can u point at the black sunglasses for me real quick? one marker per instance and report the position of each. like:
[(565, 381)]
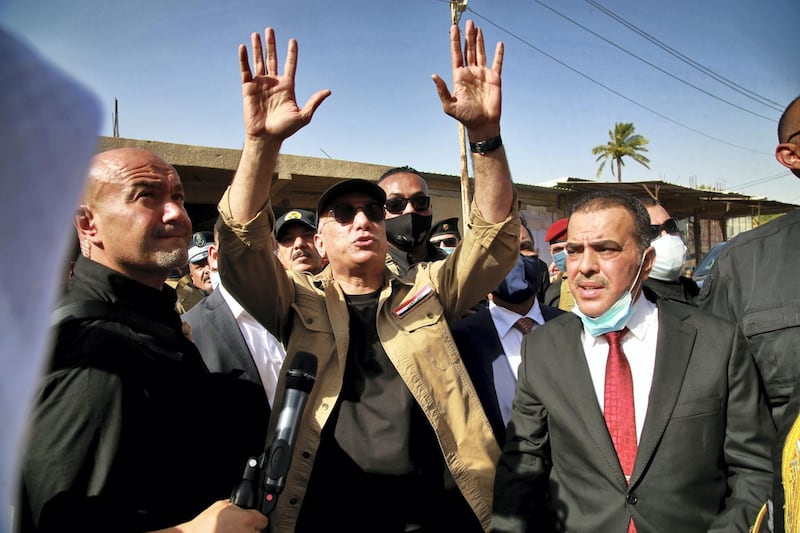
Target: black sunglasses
[(345, 213), (670, 226), (789, 138), (398, 204)]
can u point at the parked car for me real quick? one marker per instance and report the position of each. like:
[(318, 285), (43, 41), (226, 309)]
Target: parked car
[(703, 268)]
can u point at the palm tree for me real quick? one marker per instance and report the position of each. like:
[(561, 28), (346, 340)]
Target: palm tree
[(623, 143)]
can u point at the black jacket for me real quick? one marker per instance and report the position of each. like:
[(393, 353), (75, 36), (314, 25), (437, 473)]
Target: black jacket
[(130, 432)]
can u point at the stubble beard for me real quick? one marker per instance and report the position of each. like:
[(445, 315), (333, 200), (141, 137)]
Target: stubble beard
[(169, 260)]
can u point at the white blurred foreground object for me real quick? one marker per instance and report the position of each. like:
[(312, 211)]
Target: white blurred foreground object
[(48, 127)]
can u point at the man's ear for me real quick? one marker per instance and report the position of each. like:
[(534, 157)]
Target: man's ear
[(213, 256), (85, 223), (319, 244), (648, 262), (788, 155)]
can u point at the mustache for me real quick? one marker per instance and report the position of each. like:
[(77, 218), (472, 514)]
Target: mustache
[(596, 280), (300, 253)]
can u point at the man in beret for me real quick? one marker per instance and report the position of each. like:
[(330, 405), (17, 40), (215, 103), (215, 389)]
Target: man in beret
[(445, 235), (558, 294)]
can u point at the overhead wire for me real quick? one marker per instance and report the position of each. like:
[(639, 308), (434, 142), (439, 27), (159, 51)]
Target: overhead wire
[(663, 71), (766, 179), (689, 61), (610, 89)]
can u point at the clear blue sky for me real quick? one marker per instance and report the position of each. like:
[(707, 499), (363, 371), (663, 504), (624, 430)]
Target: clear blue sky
[(172, 64)]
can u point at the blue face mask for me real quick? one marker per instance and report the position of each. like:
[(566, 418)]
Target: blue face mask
[(447, 249), (521, 283), (560, 259), (615, 317)]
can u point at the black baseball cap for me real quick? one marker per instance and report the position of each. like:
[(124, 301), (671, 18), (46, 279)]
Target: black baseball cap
[(350, 186), (294, 216)]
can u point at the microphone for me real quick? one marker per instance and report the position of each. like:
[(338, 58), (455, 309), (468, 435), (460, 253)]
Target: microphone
[(275, 461)]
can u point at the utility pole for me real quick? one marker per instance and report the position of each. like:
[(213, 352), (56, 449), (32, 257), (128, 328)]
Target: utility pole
[(116, 117), (457, 7)]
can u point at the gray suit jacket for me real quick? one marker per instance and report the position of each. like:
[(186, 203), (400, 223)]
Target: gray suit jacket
[(219, 339), (703, 458)]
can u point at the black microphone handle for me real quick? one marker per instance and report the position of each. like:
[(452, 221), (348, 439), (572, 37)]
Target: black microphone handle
[(245, 494), (278, 458), (265, 478)]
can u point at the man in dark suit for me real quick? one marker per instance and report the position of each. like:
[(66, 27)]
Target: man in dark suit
[(631, 413), (228, 337), (231, 341), (490, 340)]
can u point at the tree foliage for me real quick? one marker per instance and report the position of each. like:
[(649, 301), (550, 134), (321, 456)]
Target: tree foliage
[(623, 142)]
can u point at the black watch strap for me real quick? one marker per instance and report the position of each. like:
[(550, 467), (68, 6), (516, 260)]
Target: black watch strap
[(484, 147)]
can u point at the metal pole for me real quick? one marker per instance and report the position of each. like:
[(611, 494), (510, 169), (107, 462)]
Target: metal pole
[(457, 7)]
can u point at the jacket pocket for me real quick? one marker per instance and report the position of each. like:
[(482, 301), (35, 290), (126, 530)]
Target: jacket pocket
[(773, 334), (769, 319), (309, 310), (699, 407), (425, 331), (426, 314)]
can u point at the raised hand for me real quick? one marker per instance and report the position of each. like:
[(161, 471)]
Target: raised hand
[(268, 99), (476, 98)]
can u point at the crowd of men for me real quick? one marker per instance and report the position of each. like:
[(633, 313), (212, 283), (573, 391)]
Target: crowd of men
[(631, 401)]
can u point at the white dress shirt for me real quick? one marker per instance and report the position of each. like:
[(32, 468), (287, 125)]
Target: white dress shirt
[(639, 346), (267, 351), (510, 337), (505, 369)]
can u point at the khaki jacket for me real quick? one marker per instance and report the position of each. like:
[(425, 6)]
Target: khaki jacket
[(309, 313)]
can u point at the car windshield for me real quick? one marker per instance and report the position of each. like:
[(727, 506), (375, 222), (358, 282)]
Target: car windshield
[(705, 264)]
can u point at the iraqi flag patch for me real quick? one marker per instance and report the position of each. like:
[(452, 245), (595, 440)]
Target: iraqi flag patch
[(402, 310)]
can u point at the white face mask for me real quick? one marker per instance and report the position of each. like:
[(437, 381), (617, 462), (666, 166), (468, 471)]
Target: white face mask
[(670, 255), (214, 279)]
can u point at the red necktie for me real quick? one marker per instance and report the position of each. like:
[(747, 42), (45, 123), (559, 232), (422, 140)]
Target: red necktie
[(618, 407), (524, 324)]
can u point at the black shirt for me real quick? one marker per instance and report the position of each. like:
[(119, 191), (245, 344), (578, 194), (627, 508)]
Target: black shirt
[(378, 465), (130, 432)]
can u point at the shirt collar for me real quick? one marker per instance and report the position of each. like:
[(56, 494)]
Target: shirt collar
[(236, 308), (504, 319), (645, 313)]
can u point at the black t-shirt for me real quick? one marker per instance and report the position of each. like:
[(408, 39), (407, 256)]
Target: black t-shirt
[(378, 466)]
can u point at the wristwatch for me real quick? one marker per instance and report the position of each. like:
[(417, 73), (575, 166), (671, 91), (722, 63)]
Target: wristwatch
[(489, 145)]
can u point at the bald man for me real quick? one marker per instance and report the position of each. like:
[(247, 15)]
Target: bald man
[(754, 283), (665, 279), (123, 436), (765, 305)]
